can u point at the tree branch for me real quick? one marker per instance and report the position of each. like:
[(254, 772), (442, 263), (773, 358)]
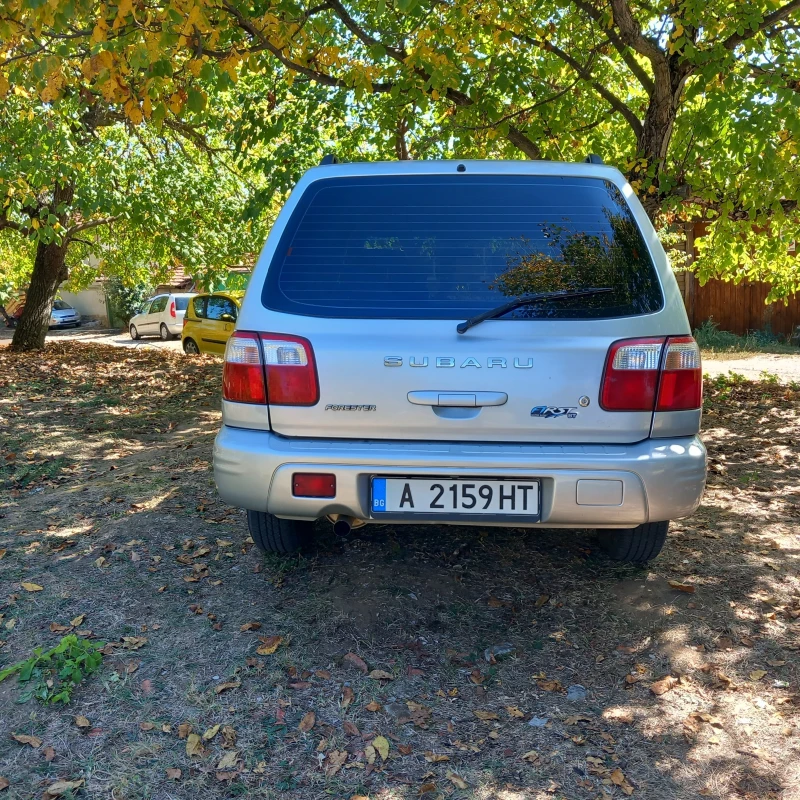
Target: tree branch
[(14, 226), (585, 73), (92, 223), (776, 16), (621, 47), (631, 33)]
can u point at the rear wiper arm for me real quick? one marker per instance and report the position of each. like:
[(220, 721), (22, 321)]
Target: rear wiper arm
[(530, 299)]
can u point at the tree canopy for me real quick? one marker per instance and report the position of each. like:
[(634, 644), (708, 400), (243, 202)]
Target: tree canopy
[(696, 101)]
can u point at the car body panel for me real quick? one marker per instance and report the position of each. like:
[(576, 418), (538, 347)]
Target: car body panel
[(63, 315), (211, 334), (157, 311), (376, 378)]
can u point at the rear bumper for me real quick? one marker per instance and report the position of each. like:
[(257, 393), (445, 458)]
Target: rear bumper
[(661, 479)]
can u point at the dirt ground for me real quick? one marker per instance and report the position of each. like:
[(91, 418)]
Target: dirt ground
[(608, 682)]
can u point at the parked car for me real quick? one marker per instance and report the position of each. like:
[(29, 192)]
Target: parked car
[(468, 343), (63, 315), (161, 316), (209, 322)]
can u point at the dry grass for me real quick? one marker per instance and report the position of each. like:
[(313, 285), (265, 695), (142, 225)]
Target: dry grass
[(106, 454)]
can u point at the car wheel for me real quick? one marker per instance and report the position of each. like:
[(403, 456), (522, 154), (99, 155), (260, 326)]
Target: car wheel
[(133, 332), (274, 535), (190, 347), (634, 545), (164, 332)]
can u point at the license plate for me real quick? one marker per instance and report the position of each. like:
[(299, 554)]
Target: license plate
[(448, 496)]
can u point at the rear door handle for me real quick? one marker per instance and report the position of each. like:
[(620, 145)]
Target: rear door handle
[(459, 399)]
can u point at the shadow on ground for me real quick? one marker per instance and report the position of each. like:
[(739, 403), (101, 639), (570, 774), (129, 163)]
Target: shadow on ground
[(127, 530)]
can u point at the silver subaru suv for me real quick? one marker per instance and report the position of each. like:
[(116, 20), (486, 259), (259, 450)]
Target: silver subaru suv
[(463, 342)]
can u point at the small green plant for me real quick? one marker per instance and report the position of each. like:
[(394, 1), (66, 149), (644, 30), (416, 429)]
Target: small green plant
[(769, 377), (51, 676)]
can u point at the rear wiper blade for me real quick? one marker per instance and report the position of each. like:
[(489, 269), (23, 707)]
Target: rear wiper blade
[(528, 300)]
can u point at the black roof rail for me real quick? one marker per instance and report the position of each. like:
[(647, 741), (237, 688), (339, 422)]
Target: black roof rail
[(328, 159), (593, 159)]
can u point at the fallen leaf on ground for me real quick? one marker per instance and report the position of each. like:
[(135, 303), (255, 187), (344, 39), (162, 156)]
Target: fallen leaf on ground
[(457, 780), (146, 726), (269, 644), (776, 662), (664, 685), (485, 715), (82, 722), (174, 774), (335, 761), (689, 588), (194, 746), (435, 758), (381, 744), (32, 587), (757, 674), (3, 781), (307, 723), (48, 753), (228, 761), (211, 733), (373, 706), (550, 685), (250, 626), (347, 696), (541, 600), (350, 728), (513, 711), (532, 757), (223, 687), (184, 729), (133, 642), (357, 662), (22, 738), (381, 675), (62, 787)]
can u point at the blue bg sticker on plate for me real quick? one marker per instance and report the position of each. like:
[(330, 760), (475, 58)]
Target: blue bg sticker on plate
[(378, 494)]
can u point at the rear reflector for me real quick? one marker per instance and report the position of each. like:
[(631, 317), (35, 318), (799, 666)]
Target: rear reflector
[(291, 370), (681, 387), (313, 484), (243, 374), (631, 376)]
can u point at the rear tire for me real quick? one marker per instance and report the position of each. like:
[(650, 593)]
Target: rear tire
[(274, 535), (634, 545), (190, 347), (164, 333), (133, 332)]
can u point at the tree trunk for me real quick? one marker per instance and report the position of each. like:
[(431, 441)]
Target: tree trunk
[(49, 270)]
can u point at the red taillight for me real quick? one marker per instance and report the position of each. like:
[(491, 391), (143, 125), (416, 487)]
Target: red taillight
[(291, 370), (172, 309), (243, 373), (653, 373), (681, 387), (631, 376), (313, 484), (286, 361)]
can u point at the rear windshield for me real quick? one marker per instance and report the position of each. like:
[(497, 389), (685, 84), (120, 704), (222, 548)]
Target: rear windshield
[(452, 246), (60, 305), (181, 303)]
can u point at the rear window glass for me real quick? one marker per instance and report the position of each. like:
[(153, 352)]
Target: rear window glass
[(199, 307), (452, 246), (181, 303)]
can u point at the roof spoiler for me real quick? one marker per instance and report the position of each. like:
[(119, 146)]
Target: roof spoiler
[(593, 159), (328, 159)]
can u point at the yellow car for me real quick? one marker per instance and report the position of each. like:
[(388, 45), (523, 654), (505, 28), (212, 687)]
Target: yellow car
[(209, 322)]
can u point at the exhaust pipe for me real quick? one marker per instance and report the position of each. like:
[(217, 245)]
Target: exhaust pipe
[(343, 525)]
